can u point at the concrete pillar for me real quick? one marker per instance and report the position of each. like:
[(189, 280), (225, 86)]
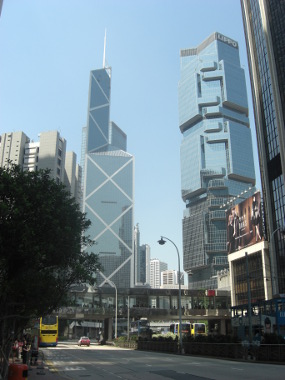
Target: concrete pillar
[(109, 328), (223, 327)]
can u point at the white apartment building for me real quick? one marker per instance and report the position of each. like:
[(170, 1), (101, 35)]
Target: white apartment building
[(156, 267), (12, 147), (48, 153), (169, 279)]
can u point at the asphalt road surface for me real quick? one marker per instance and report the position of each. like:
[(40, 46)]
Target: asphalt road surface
[(108, 362)]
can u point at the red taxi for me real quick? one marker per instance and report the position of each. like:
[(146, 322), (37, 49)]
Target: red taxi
[(84, 341)]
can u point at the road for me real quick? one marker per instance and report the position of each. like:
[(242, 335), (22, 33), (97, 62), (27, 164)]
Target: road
[(108, 362)]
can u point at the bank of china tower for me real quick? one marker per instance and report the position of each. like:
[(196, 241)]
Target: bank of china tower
[(108, 186)]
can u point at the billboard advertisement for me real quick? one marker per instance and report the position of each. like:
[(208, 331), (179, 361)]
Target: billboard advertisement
[(244, 224)]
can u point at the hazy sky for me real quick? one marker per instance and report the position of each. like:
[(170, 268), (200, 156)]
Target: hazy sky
[(49, 47)]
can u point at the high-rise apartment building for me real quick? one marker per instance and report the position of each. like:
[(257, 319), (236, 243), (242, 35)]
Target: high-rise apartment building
[(47, 153), (108, 186), (156, 267), (170, 277), (12, 147), (216, 152), (264, 26)]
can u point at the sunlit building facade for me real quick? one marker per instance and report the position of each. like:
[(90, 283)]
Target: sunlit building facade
[(216, 152), (108, 187), (264, 25), (156, 267)]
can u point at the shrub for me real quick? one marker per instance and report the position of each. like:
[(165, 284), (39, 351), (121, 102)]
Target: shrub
[(164, 337)]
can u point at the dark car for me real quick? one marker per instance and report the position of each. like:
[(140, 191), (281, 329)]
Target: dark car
[(84, 341)]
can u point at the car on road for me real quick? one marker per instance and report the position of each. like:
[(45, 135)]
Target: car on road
[(84, 341)]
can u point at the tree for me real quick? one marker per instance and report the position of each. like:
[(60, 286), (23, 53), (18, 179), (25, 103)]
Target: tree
[(42, 248)]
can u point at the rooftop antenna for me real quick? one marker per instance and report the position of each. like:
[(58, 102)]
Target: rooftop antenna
[(104, 54)]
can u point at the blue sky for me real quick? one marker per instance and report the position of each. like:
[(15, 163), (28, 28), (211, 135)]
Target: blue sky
[(49, 47)]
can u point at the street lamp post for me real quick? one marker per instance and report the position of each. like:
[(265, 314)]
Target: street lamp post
[(128, 318), (116, 309), (162, 242)]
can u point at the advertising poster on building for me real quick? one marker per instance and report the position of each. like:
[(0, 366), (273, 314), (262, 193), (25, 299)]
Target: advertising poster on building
[(244, 224), (268, 322)]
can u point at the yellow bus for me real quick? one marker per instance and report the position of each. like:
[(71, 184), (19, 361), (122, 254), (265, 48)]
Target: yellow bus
[(185, 331), (198, 329), (48, 335), (193, 329)]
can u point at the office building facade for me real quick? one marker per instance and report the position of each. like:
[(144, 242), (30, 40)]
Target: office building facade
[(264, 26), (144, 264), (108, 187), (216, 152), (141, 260)]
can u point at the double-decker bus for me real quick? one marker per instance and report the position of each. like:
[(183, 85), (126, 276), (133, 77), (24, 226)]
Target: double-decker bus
[(188, 329), (140, 327), (48, 335), (198, 329), (185, 330)]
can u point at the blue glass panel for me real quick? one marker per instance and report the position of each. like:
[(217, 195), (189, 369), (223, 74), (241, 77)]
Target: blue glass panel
[(101, 118), (112, 163), (95, 176), (108, 244), (103, 80), (97, 227), (234, 86), (95, 137), (124, 178), (241, 151), (123, 228), (97, 96), (117, 137), (109, 202)]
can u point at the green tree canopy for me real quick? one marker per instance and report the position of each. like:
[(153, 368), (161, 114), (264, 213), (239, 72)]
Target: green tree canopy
[(42, 241)]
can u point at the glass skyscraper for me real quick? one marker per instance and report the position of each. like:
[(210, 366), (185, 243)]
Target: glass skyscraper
[(264, 25), (216, 152), (108, 186)]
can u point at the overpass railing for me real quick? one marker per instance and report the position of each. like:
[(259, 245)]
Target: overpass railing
[(81, 313)]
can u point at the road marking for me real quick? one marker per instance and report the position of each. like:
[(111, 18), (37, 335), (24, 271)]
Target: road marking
[(74, 369)]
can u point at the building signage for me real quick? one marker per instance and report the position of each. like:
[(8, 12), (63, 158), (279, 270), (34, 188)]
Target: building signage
[(244, 224), (227, 40)]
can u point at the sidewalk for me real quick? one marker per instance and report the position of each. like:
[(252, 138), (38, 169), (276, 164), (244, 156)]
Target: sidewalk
[(39, 369)]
